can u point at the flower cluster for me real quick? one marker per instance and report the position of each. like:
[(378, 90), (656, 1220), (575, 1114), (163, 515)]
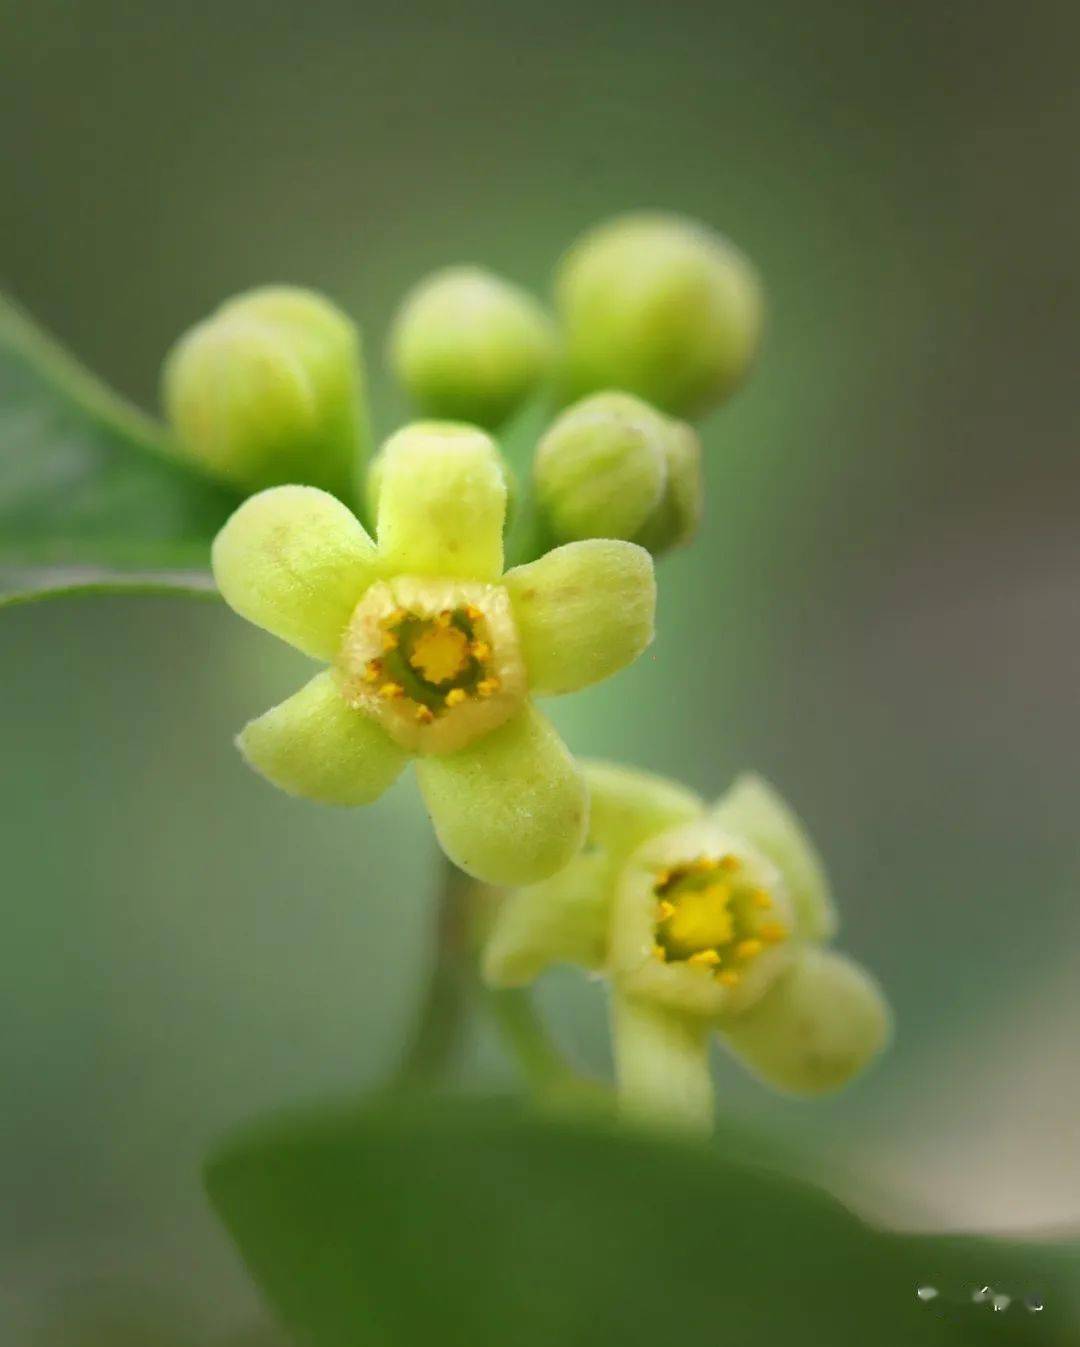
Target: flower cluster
[(703, 918)]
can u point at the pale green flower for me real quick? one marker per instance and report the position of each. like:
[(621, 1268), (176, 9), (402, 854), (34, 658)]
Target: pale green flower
[(470, 346), (704, 918), (611, 466), (433, 652), (661, 307), (270, 389)]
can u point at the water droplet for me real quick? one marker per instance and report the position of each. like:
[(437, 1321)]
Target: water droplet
[(981, 1294), (1034, 1305), (927, 1293), (1001, 1303)]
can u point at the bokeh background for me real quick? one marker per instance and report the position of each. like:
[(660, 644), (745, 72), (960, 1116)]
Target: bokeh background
[(882, 614)]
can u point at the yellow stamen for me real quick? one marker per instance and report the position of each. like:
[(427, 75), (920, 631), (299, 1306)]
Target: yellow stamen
[(704, 958), (664, 910), (772, 931), (391, 691), (425, 715), (472, 612), (389, 641), (729, 978), (487, 686), (663, 879), (761, 899), (748, 949), (439, 653), (456, 696), (443, 619), (659, 952), (704, 864), (480, 650), (392, 619), (372, 671), (730, 864)]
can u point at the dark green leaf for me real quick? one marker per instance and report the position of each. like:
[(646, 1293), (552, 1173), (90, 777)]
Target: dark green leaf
[(479, 1226), (91, 498)]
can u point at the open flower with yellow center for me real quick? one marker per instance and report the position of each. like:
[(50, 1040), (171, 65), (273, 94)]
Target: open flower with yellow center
[(433, 651), (704, 918)]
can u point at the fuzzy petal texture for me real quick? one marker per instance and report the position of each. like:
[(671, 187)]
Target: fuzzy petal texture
[(584, 611), (562, 920), (296, 562), (662, 1065), (754, 810), (442, 503), (817, 1026), (627, 807), (511, 808), (315, 746)]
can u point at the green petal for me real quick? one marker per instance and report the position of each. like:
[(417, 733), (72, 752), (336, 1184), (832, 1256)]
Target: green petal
[(816, 1027), (661, 1064), (627, 807), (442, 503), (754, 810), (511, 808), (562, 920), (295, 561), (315, 746), (584, 611)]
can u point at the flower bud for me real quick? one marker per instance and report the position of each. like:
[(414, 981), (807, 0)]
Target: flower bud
[(661, 307), (611, 466), (816, 1028), (270, 390), (469, 346), (676, 518)]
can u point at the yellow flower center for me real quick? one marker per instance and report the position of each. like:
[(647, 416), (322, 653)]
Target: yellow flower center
[(710, 917), (440, 653), (436, 661)]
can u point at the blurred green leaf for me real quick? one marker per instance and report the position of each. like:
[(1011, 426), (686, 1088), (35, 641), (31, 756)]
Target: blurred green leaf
[(475, 1224), (91, 497)]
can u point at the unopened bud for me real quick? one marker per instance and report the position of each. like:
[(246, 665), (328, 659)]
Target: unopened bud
[(661, 307), (270, 390), (611, 466), (469, 346)]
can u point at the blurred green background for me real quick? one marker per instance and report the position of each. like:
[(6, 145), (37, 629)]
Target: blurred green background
[(882, 614)]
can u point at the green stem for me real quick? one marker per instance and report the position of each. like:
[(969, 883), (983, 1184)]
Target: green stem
[(523, 1034), (441, 1022), (454, 984)]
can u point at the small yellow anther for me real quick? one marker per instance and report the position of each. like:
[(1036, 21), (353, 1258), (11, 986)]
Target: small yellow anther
[(391, 691), (704, 958), (487, 686), (704, 864), (425, 715), (772, 931), (390, 641), (480, 650), (473, 613), (664, 909), (760, 898), (730, 863), (729, 978), (456, 696), (659, 952), (748, 949), (373, 671), (663, 879), (443, 619)]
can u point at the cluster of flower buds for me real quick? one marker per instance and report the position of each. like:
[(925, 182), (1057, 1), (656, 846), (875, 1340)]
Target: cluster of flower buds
[(434, 649)]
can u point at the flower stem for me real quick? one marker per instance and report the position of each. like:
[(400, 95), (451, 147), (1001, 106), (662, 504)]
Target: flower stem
[(455, 985), (441, 1022)]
